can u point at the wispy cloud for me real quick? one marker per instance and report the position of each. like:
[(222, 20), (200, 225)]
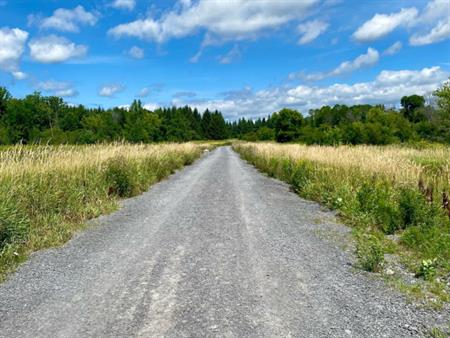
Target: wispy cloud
[(110, 90), (62, 89), (311, 30), (65, 20), (393, 49), (368, 59), (233, 54), (124, 4), (136, 53)]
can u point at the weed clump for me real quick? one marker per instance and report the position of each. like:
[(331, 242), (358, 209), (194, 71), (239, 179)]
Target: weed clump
[(427, 269), (369, 252), (118, 175), (415, 210), (14, 224), (375, 198)]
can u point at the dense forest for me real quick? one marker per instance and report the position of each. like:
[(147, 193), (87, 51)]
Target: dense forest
[(41, 119)]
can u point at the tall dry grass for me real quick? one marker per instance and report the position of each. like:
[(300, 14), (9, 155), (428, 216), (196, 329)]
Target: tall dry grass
[(48, 192), (402, 164), (392, 190)]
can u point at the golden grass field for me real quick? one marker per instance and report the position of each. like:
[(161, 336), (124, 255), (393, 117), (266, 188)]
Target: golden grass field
[(404, 165), (47, 193), (394, 197)]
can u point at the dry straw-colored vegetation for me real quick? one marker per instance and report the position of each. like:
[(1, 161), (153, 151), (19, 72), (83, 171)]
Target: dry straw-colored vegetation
[(391, 192), (48, 192), (404, 165)]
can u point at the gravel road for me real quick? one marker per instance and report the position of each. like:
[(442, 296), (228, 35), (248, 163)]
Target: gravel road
[(215, 250)]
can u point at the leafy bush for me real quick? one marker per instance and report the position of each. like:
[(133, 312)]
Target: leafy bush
[(428, 269), (430, 241), (369, 253), (119, 176)]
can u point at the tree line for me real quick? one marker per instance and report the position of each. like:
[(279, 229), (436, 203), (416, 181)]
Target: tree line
[(358, 124), (41, 119), (48, 119)]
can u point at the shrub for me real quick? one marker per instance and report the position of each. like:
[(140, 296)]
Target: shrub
[(119, 177), (375, 198), (429, 241), (369, 252), (414, 209), (300, 175), (427, 269)]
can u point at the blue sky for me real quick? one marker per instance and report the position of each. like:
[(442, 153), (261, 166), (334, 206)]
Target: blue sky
[(243, 57)]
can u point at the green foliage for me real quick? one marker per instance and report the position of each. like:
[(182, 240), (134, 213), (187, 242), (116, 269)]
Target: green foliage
[(415, 210), (373, 204), (301, 175), (14, 224), (287, 124), (359, 124), (369, 252), (43, 208), (427, 269), (443, 98), (410, 105), (39, 119), (438, 333), (376, 199), (119, 176)]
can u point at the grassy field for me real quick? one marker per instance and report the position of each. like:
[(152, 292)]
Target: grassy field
[(394, 197), (48, 192)]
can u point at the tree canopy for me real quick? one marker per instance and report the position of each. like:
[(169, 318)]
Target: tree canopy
[(40, 119)]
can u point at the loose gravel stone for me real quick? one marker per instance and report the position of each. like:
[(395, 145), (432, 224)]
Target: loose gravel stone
[(216, 250)]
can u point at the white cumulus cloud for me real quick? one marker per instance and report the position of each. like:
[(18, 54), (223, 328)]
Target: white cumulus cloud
[(151, 106), (110, 90), (387, 88), (438, 33), (432, 75), (12, 46), (124, 4), (368, 59), (382, 24), (55, 49), (66, 20), (61, 89), (364, 60), (225, 20), (433, 24), (311, 30)]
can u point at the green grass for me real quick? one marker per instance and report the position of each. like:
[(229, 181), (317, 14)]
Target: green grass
[(49, 194), (376, 206)]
